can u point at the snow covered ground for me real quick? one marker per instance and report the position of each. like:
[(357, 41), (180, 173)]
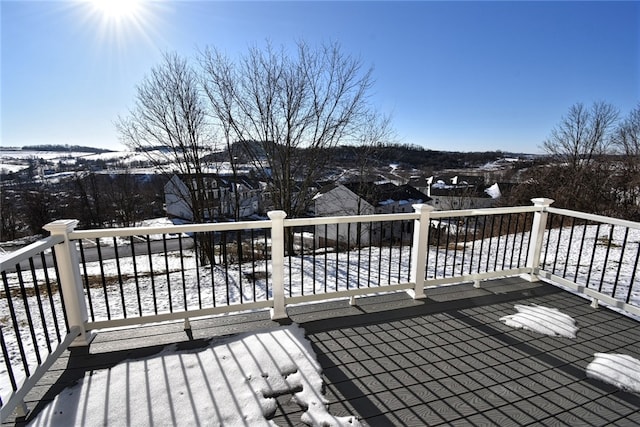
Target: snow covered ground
[(232, 382)]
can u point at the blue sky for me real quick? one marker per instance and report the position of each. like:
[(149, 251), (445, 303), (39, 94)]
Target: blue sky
[(458, 76)]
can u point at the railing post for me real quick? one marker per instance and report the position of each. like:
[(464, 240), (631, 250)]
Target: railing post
[(419, 250), (70, 280), (279, 310), (537, 237)]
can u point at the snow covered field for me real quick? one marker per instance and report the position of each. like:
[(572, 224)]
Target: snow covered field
[(587, 254)]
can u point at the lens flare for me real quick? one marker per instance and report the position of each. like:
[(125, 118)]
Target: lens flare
[(117, 9)]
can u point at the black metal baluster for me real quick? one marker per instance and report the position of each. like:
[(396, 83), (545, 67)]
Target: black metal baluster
[(302, 275), (7, 362), (166, 266), (348, 252), (506, 240), (43, 319), (135, 273), (380, 253), (196, 252), (498, 237), (484, 227), (624, 247), (555, 258), (14, 322), (359, 245), (313, 256), (225, 257), (570, 245), (27, 312), (606, 258), (526, 254), (400, 251), (547, 232), (253, 263), (446, 248), (47, 281), (267, 236), (491, 231), (57, 273), (103, 279), (337, 249), (212, 245), (633, 275), (593, 253), (152, 275), (439, 231), (473, 244), (184, 281), (582, 239), (120, 282), (86, 281), (370, 253), (513, 244), (326, 228)]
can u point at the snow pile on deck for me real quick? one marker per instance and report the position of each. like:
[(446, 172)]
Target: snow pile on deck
[(545, 320), (620, 370), (231, 382)]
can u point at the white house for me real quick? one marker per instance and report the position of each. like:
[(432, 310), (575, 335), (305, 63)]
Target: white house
[(364, 199), (219, 197)]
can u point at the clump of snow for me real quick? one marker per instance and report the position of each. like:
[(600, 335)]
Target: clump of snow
[(231, 382), (545, 320), (620, 370), (493, 191)]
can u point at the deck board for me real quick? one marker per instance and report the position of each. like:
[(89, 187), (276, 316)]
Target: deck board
[(446, 360)]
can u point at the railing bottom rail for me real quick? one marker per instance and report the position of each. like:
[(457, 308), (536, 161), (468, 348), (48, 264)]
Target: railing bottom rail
[(595, 296)]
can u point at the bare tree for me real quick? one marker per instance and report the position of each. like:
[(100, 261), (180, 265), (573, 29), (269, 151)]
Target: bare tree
[(627, 136), (627, 140), (287, 110), (168, 123), (582, 135), (170, 114), (580, 173)]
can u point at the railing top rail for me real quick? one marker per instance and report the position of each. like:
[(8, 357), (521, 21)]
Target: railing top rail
[(10, 260), (169, 229), (595, 218), (485, 211), (292, 222)]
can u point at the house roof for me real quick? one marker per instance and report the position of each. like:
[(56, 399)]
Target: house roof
[(376, 194)]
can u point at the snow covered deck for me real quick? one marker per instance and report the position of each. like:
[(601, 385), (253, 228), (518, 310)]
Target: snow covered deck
[(394, 360)]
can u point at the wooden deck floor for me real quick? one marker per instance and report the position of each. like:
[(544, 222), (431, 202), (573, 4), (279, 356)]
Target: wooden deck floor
[(447, 360)]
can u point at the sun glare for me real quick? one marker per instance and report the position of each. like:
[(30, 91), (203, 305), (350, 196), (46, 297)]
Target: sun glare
[(117, 9), (118, 25)]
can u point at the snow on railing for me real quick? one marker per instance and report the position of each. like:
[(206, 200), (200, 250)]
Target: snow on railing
[(125, 276)]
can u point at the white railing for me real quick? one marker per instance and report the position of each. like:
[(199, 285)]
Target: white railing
[(129, 276)]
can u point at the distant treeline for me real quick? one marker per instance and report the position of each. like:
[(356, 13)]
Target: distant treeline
[(64, 148), (415, 156)]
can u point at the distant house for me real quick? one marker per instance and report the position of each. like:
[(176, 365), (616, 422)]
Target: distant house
[(364, 199), (457, 192), (220, 194)]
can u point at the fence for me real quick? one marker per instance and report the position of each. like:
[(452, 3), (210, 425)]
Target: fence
[(124, 276)]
